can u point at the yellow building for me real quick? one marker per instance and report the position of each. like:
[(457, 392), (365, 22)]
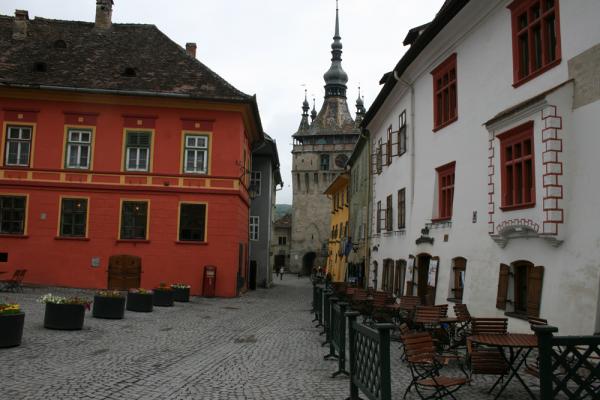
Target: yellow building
[(338, 250)]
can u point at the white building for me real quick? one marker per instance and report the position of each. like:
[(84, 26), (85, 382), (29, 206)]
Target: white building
[(485, 137)]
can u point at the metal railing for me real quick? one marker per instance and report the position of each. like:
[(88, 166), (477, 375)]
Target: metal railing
[(338, 335), (568, 365), (369, 359), (319, 306)]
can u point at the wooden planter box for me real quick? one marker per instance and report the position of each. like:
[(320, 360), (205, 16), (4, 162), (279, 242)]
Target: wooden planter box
[(163, 298), (64, 316), (181, 295), (108, 307), (139, 302), (11, 329)]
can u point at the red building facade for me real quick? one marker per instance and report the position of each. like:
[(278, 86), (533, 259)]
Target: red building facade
[(151, 164)]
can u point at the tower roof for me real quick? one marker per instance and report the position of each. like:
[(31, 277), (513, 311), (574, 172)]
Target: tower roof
[(336, 78)]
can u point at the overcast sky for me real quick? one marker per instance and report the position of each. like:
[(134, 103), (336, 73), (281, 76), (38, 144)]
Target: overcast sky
[(271, 48)]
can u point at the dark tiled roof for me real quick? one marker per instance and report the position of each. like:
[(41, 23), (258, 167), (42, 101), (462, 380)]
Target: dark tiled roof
[(95, 59), (284, 222)]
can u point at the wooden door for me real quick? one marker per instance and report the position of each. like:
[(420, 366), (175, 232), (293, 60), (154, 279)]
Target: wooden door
[(423, 275), (124, 272)]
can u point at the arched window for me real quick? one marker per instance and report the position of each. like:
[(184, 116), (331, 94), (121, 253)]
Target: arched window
[(520, 288)]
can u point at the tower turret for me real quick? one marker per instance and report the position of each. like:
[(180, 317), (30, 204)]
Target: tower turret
[(336, 78)]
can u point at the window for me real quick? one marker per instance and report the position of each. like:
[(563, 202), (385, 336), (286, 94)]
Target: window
[(298, 181), (192, 222), (324, 162), (282, 240), (535, 36), (399, 277), (73, 217), (137, 151), (255, 182), (254, 227), (520, 288), (306, 182), (12, 214), (402, 209), (316, 178), (445, 110), (517, 167), (18, 145), (79, 143), (379, 157), (134, 220), (402, 133), (196, 154), (387, 281), (445, 190), (388, 147), (388, 214), (457, 281), (379, 217)]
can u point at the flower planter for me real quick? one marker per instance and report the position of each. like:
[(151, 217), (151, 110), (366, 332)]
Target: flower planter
[(109, 307), (181, 295), (64, 316), (11, 329), (140, 302), (163, 298)]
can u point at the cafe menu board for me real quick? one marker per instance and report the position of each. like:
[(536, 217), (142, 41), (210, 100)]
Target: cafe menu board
[(433, 266)]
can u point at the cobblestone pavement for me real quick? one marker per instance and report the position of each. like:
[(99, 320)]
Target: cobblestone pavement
[(259, 346)]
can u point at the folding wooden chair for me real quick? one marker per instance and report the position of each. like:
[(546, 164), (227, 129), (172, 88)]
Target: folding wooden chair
[(425, 365), (15, 283), (487, 361)]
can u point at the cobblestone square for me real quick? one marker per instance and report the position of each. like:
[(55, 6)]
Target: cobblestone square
[(258, 346)]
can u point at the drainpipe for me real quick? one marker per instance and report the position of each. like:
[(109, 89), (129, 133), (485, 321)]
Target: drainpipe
[(367, 246), (412, 136)]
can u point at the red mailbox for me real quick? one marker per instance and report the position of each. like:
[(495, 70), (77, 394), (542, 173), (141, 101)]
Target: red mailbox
[(209, 281)]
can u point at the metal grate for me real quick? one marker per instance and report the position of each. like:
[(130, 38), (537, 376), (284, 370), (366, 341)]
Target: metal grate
[(338, 335)]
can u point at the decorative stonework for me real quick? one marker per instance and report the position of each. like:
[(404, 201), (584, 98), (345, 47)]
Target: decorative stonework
[(491, 186), (553, 171)]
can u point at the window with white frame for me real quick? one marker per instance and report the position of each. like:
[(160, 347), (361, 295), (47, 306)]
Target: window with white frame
[(196, 154), (79, 144), (137, 151), (18, 145), (254, 227), (255, 182)]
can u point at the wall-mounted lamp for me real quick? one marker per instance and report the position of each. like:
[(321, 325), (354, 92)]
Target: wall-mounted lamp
[(376, 247)]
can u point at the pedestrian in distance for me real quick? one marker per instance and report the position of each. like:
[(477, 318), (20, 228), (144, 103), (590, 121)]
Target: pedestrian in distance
[(281, 273)]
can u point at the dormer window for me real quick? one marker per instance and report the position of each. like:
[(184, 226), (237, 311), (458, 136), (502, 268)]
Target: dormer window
[(40, 66), (129, 72)]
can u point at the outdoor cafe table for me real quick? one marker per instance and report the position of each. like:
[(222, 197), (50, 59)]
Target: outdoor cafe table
[(519, 346)]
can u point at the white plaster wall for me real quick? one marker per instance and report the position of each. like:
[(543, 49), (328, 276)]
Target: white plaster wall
[(481, 37)]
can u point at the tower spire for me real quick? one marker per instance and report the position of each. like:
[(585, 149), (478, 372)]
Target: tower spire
[(313, 113), (304, 125), (360, 108), (336, 78)]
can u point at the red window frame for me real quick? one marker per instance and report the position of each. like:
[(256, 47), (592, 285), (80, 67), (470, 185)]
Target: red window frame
[(517, 167), (535, 38), (445, 175), (445, 99)]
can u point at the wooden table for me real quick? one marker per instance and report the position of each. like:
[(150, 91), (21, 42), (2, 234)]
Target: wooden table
[(519, 346)]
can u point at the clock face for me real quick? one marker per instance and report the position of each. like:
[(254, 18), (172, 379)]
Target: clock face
[(340, 160)]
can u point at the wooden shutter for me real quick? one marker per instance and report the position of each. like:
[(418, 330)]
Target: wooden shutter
[(534, 290), (502, 287)]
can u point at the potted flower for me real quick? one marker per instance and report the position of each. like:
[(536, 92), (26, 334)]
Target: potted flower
[(163, 295), (66, 313), (181, 292), (11, 325), (109, 304), (139, 300)]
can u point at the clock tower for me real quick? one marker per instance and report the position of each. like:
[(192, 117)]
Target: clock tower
[(321, 149)]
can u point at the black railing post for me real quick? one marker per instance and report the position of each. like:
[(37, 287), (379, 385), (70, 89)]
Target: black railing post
[(340, 338), (326, 315), (545, 335), (319, 311), (314, 299), (330, 322), (384, 359), (352, 343)]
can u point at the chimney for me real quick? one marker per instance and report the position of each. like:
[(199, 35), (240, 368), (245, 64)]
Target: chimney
[(104, 14), (190, 49), (20, 25)]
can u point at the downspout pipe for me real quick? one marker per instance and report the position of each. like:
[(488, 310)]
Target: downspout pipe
[(412, 135)]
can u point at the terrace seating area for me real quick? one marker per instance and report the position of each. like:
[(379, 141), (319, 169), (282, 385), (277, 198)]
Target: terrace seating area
[(445, 354)]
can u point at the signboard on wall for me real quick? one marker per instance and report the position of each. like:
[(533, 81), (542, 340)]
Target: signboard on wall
[(433, 266)]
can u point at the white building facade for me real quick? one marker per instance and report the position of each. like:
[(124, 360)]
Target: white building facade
[(484, 143)]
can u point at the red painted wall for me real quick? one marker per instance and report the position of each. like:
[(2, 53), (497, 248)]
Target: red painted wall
[(52, 261)]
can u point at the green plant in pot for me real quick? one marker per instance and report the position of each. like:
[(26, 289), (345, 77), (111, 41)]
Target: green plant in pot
[(139, 300), (109, 304), (181, 292), (163, 295), (12, 320), (65, 313)]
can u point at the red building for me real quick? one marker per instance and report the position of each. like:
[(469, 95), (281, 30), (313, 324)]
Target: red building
[(124, 159)]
